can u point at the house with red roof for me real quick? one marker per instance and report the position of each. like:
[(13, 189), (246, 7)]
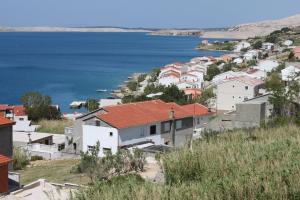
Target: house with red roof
[(155, 122), (236, 90), (6, 137), (18, 114)]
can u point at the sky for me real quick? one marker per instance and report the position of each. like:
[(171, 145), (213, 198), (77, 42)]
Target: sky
[(143, 13)]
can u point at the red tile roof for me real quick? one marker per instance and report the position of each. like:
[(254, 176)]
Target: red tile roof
[(141, 113), (5, 122), (18, 110), (4, 160), (197, 109)]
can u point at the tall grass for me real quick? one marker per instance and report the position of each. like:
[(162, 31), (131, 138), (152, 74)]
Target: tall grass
[(20, 159), (54, 126), (256, 164)]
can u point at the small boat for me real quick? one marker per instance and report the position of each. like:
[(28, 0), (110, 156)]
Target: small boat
[(102, 90)]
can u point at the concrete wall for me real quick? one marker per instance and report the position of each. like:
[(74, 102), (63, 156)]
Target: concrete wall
[(232, 92), (6, 141), (92, 134), (140, 134)]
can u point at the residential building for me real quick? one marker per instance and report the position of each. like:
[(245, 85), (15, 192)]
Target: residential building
[(109, 102), (296, 51), (268, 46), (6, 134), (241, 45), (226, 75), (168, 79), (4, 163), (267, 65), (288, 43), (17, 113), (290, 72), (129, 124), (251, 55), (235, 90)]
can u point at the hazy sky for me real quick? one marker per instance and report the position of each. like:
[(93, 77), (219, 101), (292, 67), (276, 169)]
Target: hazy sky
[(142, 13)]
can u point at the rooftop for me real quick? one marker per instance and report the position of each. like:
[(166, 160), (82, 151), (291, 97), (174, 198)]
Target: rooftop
[(147, 112), (4, 160), (246, 79), (5, 122)]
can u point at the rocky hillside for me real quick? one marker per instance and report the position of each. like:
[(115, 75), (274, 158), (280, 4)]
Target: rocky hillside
[(255, 29)]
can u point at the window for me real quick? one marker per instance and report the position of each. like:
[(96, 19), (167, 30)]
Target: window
[(111, 134), (106, 151), (167, 127), (97, 123), (198, 121), (21, 119), (233, 86), (178, 124), (153, 130), (91, 148), (246, 87), (233, 97), (245, 98)]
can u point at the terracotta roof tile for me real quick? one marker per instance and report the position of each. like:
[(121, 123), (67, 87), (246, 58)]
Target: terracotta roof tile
[(142, 113), (5, 122), (4, 160)]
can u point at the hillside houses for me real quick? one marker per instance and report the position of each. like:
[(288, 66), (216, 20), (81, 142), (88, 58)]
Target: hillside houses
[(189, 74), (153, 121)]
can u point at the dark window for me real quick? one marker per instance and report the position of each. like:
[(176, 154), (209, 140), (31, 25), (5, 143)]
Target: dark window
[(91, 148), (97, 123), (153, 130), (111, 134), (246, 87), (106, 151), (21, 119), (233, 86)]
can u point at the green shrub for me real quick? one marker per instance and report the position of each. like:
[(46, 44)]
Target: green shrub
[(34, 158), (20, 159)]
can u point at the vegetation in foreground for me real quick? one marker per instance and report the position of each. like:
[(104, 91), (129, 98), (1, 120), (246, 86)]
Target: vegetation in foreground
[(57, 171), (244, 164), (54, 126)]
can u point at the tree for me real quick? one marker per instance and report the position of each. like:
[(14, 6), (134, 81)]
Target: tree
[(205, 96), (212, 71), (291, 56), (132, 85), (173, 94), (283, 97), (257, 45), (39, 107), (142, 77), (92, 104), (271, 38)]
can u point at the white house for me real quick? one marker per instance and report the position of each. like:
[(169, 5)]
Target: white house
[(17, 114), (125, 125), (290, 72), (238, 61), (268, 46), (267, 65), (251, 55), (288, 43), (169, 79), (235, 90), (226, 75), (241, 45), (185, 85), (256, 73)]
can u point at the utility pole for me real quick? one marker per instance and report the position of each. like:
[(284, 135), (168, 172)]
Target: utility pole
[(173, 127)]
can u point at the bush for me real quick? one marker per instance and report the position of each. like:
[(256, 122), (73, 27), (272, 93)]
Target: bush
[(54, 126), (34, 158), (250, 164), (20, 159)]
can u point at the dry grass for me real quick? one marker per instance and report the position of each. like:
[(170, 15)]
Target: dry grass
[(258, 164), (54, 126), (58, 171)]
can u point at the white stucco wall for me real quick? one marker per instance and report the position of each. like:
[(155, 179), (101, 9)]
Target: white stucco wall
[(232, 92), (140, 134), (92, 134), (169, 80)]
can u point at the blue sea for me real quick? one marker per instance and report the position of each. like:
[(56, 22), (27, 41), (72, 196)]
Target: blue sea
[(72, 66)]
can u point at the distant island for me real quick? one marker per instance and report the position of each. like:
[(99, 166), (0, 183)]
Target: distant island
[(242, 31)]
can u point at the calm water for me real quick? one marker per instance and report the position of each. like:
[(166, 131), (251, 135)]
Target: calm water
[(72, 66)]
